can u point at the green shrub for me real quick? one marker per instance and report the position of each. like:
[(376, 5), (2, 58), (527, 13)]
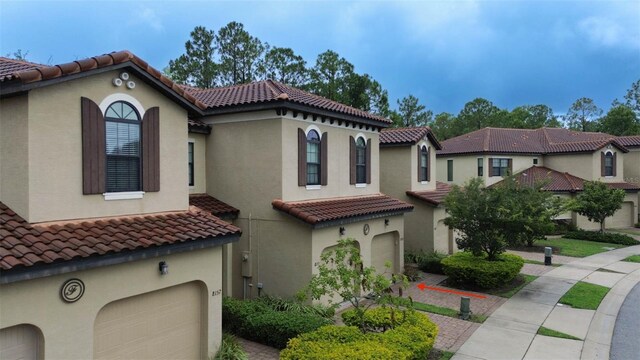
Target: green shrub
[(412, 338), (230, 349), (612, 238), (256, 320), (561, 227), (465, 269), (376, 319), (280, 304), (427, 261)]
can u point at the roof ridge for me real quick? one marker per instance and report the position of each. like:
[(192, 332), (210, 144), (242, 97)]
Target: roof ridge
[(485, 143), (24, 62), (275, 89)]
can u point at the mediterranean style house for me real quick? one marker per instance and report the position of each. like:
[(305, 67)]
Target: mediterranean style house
[(303, 172), (408, 172), (561, 157), (101, 255)]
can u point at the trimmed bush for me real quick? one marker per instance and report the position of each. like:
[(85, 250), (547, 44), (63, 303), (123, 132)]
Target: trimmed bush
[(411, 338), (429, 262), (612, 238), (465, 269), (256, 320), (230, 349), (280, 304)]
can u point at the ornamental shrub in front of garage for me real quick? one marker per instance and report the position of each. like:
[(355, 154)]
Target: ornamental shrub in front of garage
[(408, 335), (465, 269)]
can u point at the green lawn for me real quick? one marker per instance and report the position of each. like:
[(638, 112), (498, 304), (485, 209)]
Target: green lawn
[(444, 311), (633, 258), (584, 296), (511, 289), (577, 248), (548, 332)]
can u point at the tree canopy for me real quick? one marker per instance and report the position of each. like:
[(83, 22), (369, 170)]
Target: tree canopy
[(598, 202)]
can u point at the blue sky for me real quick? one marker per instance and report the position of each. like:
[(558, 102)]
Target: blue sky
[(445, 53)]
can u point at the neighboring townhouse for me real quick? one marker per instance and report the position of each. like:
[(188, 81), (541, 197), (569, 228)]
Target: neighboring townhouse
[(408, 172), (303, 171), (101, 255), (492, 153), (632, 158)]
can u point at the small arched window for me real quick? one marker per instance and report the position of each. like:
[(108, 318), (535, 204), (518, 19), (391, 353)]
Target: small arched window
[(424, 164), (361, 161), (122, 129), (608, 164), (313, 158)]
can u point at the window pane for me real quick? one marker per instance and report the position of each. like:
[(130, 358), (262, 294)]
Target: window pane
[(123, 173), (313, 155), (313, 136), (313, 177), (449, 170), (190, 162), (361, 174), (360, 156)]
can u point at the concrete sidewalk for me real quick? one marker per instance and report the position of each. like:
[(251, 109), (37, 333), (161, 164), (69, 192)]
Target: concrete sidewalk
[(510, 332)]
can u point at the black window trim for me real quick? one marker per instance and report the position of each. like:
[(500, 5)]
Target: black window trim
[(191, 149)]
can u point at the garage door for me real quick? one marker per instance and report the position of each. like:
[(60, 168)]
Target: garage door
[(164, 324), (383, 248), (622, 218), (20, 342)]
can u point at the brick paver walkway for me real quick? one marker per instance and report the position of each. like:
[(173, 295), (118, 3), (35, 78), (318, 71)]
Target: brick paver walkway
[(257, 351), (537, 270), (453, 332)]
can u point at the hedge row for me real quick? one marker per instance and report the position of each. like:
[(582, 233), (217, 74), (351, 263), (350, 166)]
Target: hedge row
[(464, 269), (412, 337), (255, 320), (612, 238)]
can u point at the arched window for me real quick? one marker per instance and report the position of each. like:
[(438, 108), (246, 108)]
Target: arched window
[(361, 161), (313, 158), (424, 164), (122, 126), (608, 164)]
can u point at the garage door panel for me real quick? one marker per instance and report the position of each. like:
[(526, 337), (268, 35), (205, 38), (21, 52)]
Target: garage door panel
[(21, 342), (383, 249), (164, 324), (622, 218)]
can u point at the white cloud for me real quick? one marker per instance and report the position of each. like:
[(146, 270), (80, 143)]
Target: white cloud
[(617, 26), (149, 17)]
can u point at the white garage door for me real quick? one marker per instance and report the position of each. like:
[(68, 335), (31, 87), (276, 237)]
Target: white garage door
[(622, 218), (383, 248), (21, 342), (164, 324)]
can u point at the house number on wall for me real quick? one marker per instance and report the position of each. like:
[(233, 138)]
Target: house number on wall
[(216, 292), (365, 230), (72, 290)]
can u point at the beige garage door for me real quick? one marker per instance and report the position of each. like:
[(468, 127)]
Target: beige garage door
[(164, 324), (22, 342), (622, 218), (383, 248)]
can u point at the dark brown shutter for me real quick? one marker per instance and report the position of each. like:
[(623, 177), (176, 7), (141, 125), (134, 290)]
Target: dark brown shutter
[(510, 162), (93, 148), (614, 164), (490, 167), (602, 172), (419, 163), (367, 161), (302, 158), (151, 150), (323, 158), (428, 164), (352, 160)]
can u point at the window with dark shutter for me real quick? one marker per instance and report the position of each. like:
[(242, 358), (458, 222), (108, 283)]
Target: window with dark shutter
[(367, 157), (93, 148), (608, 164), (122, 125), (500, 167), (424, 164), (190, 160), (324, 163), (313, 158), (361, 163), (449, 170), (480, 167)]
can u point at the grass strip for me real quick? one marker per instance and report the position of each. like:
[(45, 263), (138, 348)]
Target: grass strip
[(444, 311), (548, 332), (512, 288), (446, 355), (584, 296), (577, 248), (633, 258)]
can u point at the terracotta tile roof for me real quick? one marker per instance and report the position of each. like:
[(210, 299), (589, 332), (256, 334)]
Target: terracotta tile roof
[(435, 197), (527, 141), (214, 206), (559, 181), (316, 212), (407, 136), (23, 244), (630, 141), (26, 72), (199, 127), (269, 91)]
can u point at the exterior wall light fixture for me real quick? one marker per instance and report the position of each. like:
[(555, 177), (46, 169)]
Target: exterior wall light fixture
[(163, 267), (342, 230)]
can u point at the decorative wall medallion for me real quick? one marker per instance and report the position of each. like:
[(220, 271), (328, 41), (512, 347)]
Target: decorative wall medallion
[(365, 230), (72, 290)]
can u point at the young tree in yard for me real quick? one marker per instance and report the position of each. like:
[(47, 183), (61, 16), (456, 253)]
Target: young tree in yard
[(598, 201), (582, 115), (479, 215), (341, 273)]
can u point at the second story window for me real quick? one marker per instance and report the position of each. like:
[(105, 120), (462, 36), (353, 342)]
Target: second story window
[(449, 170), (500, 167), (191, 169), (361, 161), (122, 128), (609, 164), (424, 164), (313, 158), (480, 167)]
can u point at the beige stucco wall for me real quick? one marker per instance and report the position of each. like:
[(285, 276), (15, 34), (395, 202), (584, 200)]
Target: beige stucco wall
[(395, 170), (14, 154), (586, 165), (338, 161), (68, 329), (632, 166), (199, 163), (55, 152), (464, 168), (433, 176)]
